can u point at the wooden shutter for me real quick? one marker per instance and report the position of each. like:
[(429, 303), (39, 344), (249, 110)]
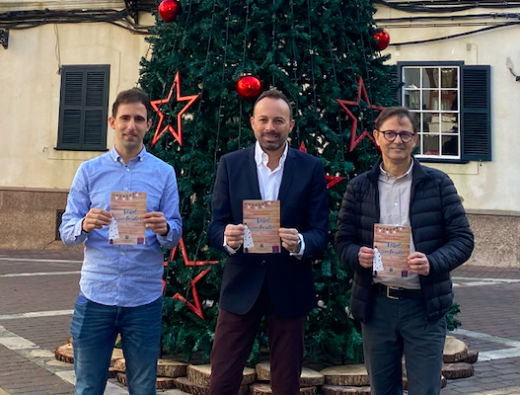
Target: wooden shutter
[(395, 83), (476, 113), (83, 108)]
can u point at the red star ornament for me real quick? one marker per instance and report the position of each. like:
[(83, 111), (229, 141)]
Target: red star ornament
[(177, 134), (197, 308), (331, 180), (184, 253), (355, 140)]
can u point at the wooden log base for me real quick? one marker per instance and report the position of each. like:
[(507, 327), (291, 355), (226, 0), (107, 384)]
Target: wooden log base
[(117, 354), (65, 353), (444, 382), (112, 373), (457, 370), (341, 390), (355, 375), (169, 368), (472, 356), (186, 385), (120, 365), (199, 374), (263, 389), (455, 350), (162, 383), (308, 377)]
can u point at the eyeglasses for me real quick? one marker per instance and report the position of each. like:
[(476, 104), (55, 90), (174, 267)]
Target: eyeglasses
[(391, 135)]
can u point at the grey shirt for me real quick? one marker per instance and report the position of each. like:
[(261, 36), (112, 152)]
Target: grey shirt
[(394, 201)]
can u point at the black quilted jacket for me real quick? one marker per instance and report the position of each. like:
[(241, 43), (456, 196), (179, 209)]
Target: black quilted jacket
[(439, 226)]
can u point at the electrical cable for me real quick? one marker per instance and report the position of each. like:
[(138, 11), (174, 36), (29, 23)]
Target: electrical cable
[(19, 20), (430, 40), (435, 6)]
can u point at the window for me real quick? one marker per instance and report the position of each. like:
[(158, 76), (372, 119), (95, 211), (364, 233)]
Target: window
[(450, 104), (83, 108)]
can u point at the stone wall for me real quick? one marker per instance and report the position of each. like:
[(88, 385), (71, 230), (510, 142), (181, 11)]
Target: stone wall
[(28, 218), (496, 238)]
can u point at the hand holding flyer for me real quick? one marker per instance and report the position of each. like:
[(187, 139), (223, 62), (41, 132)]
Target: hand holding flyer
[(262, 219), (127, 226), (393, 245)]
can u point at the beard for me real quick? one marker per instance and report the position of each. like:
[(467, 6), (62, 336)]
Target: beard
[(271, 145)]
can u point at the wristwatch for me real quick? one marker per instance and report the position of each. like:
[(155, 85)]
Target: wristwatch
[(298, 247)]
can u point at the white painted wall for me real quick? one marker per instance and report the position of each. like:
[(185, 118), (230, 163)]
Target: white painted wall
[(491, 185), (30, 95)]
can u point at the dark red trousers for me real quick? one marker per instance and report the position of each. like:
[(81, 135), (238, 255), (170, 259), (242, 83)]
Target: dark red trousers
[(234, 338)]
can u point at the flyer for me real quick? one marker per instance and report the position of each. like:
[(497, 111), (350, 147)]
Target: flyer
[(127, 226), (392, 242), (262, 221)]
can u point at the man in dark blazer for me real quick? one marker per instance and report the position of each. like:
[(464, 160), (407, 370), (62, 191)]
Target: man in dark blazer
[(277, 286)]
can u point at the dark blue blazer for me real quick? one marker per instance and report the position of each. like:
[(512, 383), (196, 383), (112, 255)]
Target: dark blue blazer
[(303, 205)]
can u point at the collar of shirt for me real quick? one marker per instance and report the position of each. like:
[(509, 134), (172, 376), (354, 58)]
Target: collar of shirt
[(385, 176), (117, 158), (261, 158)]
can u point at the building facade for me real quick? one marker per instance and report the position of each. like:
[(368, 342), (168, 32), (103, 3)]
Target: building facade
[(62, 63), (457, 63)]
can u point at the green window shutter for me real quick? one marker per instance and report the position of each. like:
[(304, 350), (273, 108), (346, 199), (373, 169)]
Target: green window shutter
[(476, 113), (83, 108)]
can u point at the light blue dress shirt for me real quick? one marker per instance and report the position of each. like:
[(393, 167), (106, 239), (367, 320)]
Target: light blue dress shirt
[(122, 275)]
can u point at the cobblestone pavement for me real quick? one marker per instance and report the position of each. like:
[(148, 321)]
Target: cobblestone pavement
[(38, 290)]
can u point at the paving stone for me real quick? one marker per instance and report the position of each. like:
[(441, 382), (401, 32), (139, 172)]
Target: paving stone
[(485, 309)]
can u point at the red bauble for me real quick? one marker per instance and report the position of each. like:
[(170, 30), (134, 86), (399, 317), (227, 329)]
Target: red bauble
[(169, 10), (249, 87), (383, 39)]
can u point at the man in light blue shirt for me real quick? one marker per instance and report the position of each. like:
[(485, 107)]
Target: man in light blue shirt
[(121, 285)]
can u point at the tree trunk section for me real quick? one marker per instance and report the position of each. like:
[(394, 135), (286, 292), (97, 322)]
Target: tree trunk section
[(200, 374), (340, 390), (455, 350), (186, 385), (264, 389), (112, 373), (355, 375), (117, 354), (120, 365), (65, 353), (444, 382), (162, 383), (457, 370), (308, 377), (472, 356), (170, 368)]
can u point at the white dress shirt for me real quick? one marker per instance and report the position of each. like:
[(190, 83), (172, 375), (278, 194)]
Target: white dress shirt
[(394, 203), (269, 182)]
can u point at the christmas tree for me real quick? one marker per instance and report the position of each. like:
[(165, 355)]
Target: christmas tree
[(315, 51)]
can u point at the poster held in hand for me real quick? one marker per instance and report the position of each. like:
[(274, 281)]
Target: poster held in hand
[(262, 219), (392, 243), (127, 226)]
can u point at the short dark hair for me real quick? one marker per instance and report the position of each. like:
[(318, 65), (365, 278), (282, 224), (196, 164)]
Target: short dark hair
[(389, 112), (275, 94), (134, 95)]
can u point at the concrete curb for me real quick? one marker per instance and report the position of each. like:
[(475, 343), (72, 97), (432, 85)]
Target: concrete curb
[(2, 392)]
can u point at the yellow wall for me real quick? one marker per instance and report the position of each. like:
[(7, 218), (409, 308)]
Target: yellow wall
[(30, 95), (488, 185)]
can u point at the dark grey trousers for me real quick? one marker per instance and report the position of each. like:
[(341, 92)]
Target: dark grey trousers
[(398, 327)]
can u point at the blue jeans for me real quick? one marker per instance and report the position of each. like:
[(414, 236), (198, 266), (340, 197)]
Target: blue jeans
[(398, 327), (94, 329)]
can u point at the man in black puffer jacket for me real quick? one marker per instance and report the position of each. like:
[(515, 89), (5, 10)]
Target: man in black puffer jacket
[(403, 315)]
